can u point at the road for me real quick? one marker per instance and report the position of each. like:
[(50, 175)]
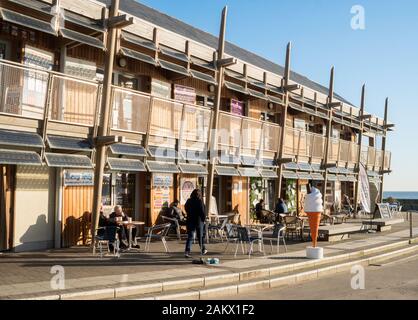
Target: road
[(395, 281)]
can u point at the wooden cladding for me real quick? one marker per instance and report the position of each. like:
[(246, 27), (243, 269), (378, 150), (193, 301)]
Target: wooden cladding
[(7, 185), (76, 212)]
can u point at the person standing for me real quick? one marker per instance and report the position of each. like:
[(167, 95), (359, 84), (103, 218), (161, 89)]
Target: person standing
[(195, 210), (281, 207)]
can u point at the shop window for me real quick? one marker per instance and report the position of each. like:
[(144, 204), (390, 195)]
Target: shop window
[(107, 190)]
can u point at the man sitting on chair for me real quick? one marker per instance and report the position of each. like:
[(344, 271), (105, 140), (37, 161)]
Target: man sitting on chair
[(115, 219), (175, 212)]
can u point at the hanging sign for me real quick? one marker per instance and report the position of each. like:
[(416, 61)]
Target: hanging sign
[(237, 107), (364, 189), (187, 187), (184, 94), (78, 178)]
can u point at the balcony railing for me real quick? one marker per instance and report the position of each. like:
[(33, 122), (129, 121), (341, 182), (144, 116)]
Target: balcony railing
[(373, 158), (343, 151), (304, 144), (238, 135)]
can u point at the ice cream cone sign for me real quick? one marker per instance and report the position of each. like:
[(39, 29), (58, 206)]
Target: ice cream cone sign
[(314, 208)]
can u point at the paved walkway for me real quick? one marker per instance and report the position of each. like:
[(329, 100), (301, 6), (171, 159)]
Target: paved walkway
[(30, 273)]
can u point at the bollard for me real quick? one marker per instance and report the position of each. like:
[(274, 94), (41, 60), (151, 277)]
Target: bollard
[(410, 225)]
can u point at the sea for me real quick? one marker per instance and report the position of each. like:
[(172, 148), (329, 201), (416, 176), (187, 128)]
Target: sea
[(401, 195)]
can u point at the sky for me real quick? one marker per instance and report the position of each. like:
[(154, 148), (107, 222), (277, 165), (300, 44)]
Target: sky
[(383, 55)]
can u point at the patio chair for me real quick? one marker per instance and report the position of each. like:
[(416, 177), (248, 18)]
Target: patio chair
[(326, 219), (105, 237), (279, 233), (231, 234), (245, 237), (294, 226), (218, 229), (158, 232), (174, 224)]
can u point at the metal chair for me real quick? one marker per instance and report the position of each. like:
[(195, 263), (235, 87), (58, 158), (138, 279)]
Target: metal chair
[(219, 229), (279, 233), (294, 225), (158, 232), (244, 237), (174, 223), (107, 236), (231, 234)]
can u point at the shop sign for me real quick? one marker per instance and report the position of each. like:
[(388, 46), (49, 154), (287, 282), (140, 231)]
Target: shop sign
[(187, 187), (364, 189), (161, 89), (78, 178), (162, 180), (184, 94), (237, 107)]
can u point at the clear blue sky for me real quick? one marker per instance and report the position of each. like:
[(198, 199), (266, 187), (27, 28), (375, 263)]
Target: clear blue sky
[(384, 55)]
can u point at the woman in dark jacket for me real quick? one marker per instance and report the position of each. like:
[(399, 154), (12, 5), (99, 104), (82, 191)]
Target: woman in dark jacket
[(196, 217)]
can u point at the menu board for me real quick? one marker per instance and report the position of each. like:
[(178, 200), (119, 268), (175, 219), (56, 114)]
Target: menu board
[(237, 107), (161, 184)]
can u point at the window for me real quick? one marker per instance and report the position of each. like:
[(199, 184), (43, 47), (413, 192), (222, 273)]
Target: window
[(300, 124)]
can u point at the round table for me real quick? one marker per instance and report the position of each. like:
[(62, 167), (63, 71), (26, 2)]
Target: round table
[(130, 225)]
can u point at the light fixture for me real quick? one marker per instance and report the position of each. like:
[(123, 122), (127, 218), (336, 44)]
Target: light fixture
[(312, 118), (122, 62), (270, 106), (342, 127), (211, 88)]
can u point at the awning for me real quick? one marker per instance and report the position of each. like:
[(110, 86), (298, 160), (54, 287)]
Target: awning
[(229, 159), (235, 87), (317, 176), (235, 75), (275, 100), (226, 171), (174, 54), (304, 167), (21, 139), (249, 161), (258, 84), (289, 175), (57, 160), (127, 165), (291, 166), (343, 170), (188, 168), (162, 167), (332, 177), (304, 176), (82, 38), (275, 89), (372, 174), (268, 163), (133, 39), (83, 21), (69, 143), (195, 155), (295, 106), (163, 153), (342, 178), (23, 20), (249, 172), (269, 174), (203, 76), (309, 111), (333, 170), (125, 149), (20, 157), (317, 167), (351, 178), (34, 5), (138, 56), (203, 64), (256, 94), (173, 67)]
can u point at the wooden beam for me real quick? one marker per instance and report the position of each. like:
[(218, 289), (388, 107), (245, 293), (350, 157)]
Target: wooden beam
[(385, 124), (360, 138)]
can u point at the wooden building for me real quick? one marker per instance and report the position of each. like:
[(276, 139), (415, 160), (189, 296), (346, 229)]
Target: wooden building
[(162, 99)]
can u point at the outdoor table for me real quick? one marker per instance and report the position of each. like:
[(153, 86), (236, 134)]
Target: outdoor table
[(259, 228), (208, 221), (130, 225)]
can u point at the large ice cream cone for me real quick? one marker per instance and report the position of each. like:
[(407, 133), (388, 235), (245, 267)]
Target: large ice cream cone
[(314, 221), (314, 208)]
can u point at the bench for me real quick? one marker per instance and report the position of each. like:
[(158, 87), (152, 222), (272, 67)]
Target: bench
[(337, 232), (383, 224)]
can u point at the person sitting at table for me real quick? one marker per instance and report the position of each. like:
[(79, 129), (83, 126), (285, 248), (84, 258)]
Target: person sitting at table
[(175, 212), (103, 222), (259, 207), (115, 219), (281, 207)]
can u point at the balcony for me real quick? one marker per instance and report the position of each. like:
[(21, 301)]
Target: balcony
[(302, 144), (343, 152), (373, 158)]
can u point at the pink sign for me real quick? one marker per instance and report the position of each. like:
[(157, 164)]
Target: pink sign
[(184, 94), (237, 107)]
